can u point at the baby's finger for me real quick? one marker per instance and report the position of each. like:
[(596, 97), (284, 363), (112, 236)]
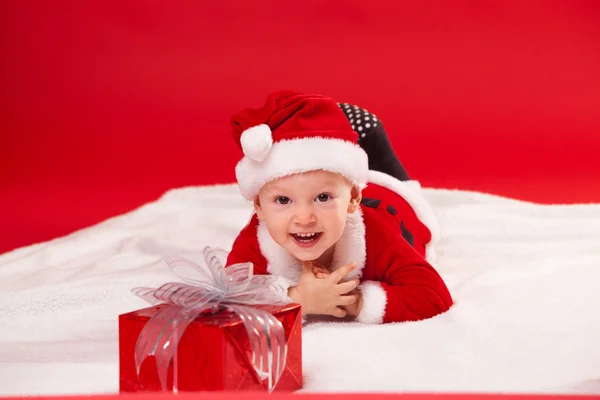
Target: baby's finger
[(306, 266), (346, 287), (338, 274), (322, 275), (338, 312), (318, 264), (347, 300)]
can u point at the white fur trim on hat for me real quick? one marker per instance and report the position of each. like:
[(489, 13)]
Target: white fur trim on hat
[(288, 157), (256, 142)]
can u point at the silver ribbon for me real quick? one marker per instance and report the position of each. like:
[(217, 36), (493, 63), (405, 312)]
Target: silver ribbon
[(213, 287)]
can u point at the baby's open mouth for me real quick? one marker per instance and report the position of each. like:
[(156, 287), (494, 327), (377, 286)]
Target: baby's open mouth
[(306, 238)]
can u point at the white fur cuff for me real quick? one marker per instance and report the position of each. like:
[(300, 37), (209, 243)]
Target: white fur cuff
[(374, 302)]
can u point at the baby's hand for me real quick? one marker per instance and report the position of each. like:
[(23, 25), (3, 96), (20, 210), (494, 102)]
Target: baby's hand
[(325, 296), (353, 309), (320, 270)]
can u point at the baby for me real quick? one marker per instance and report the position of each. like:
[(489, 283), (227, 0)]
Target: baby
[(343, 239)]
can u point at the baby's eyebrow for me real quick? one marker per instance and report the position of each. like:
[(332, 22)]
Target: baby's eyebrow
[(329, 185), (276, 189)]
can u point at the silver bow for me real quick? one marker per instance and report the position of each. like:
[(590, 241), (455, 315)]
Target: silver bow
[(213, 287)]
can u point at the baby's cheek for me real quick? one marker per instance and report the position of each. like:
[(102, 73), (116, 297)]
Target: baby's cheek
[(336, 228)]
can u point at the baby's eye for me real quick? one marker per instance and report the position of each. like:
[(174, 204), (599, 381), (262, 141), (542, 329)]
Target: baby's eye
[(323, 197), (283, 200)]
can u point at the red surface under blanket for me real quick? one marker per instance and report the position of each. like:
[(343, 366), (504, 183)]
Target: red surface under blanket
[(105, 105)]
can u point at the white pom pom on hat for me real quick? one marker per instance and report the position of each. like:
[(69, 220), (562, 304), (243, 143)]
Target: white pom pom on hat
[(257, 142)]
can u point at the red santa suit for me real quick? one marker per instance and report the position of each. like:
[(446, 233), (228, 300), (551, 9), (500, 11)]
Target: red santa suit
[(392, 235), (391, 239)]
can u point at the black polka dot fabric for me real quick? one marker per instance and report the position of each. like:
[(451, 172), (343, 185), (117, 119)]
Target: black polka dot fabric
[(373, 138), (361, 120)]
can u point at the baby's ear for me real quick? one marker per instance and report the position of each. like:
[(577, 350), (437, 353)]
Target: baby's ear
[(355, 198), (258, 208)]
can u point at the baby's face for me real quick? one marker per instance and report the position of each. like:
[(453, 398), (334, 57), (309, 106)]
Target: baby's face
[(306, 213)]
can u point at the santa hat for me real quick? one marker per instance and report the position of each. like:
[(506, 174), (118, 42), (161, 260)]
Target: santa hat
[(295, 133)]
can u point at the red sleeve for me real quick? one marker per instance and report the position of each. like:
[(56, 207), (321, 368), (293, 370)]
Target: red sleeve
[(402, 286), (245, 248)]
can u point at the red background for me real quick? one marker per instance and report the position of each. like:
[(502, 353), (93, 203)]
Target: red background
[(107, 104)]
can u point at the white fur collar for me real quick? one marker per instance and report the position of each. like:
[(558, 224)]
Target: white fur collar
[(351, 247)]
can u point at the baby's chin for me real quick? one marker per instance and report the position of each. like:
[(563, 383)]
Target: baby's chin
[(310, 254), (305, 255)]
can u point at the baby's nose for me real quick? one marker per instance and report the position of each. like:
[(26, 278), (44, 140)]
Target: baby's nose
[(305, 216)]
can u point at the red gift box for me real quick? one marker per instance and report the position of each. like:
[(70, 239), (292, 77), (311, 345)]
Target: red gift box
[(213, 354)]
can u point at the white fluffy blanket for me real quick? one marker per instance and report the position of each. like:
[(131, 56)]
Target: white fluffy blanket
[(525, 277)]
